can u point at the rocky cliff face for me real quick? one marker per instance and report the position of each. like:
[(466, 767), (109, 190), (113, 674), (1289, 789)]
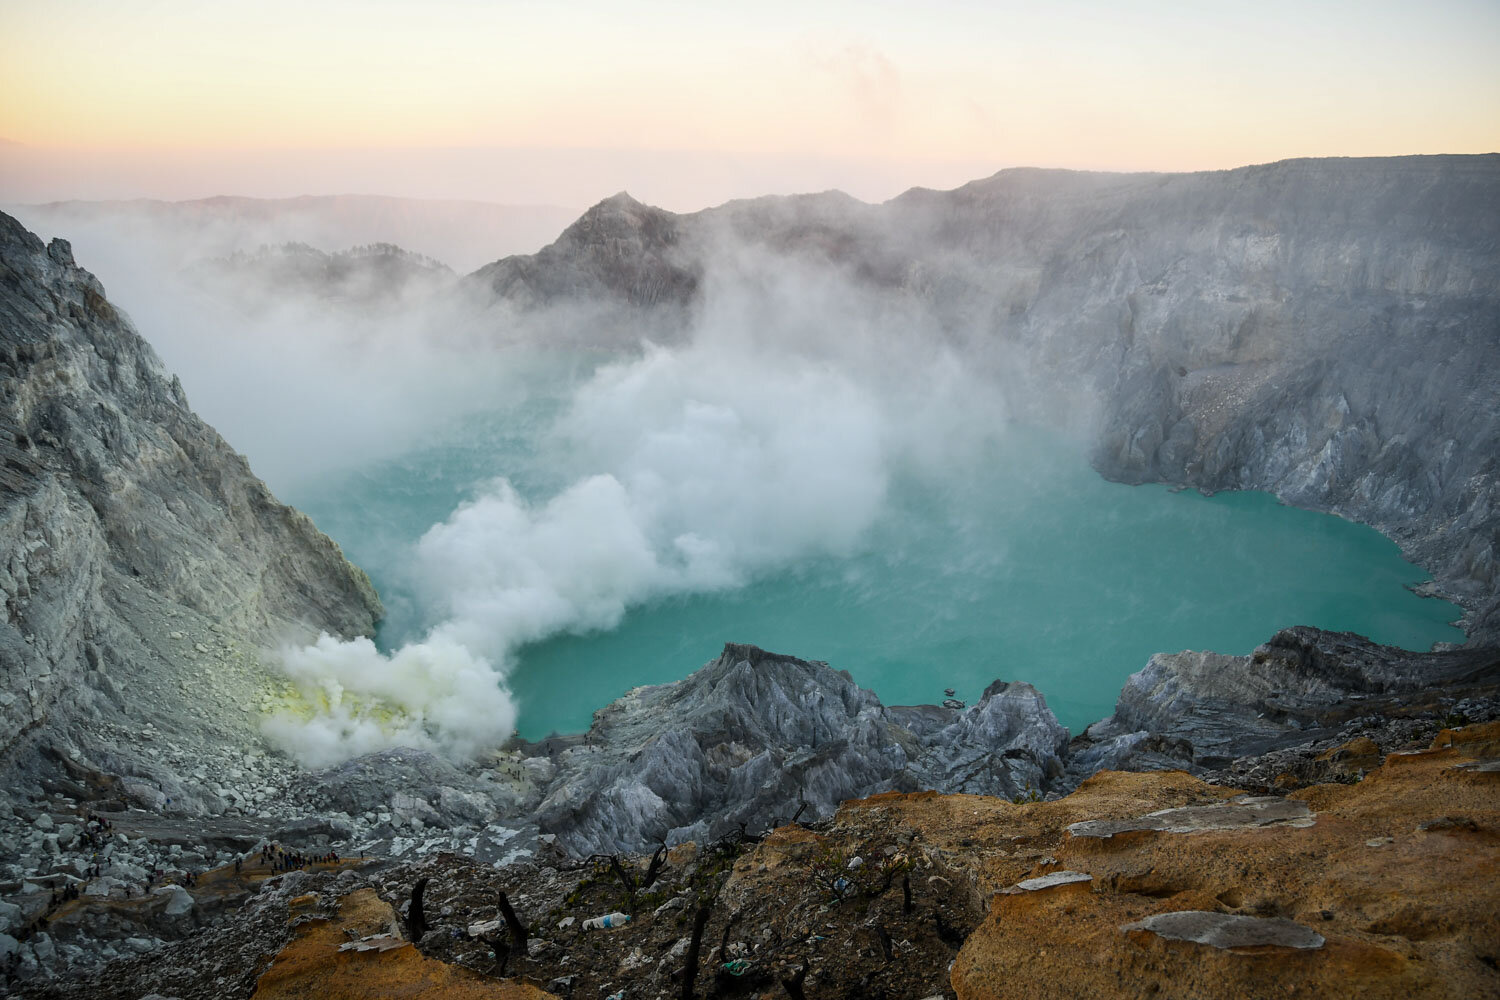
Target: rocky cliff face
[(145, 566), (1327, 330), (1299, 693), (755, 738)]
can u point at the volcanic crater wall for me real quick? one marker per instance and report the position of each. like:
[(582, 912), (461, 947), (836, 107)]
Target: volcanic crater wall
[(144, 565), (1327, 330)]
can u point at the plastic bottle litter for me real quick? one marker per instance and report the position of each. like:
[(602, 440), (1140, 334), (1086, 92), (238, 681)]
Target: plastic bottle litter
[(604, 923)]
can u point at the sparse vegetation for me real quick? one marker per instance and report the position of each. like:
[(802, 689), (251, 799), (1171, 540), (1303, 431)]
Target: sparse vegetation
[(842, 876), (1027, 794)]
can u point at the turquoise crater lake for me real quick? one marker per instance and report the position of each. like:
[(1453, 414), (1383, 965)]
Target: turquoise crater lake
[(1027, 567)]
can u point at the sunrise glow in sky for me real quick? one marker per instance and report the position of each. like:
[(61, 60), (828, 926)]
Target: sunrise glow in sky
[(689, 103)]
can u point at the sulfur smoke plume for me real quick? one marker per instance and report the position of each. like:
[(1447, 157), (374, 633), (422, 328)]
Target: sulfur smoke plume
[(769, 436)]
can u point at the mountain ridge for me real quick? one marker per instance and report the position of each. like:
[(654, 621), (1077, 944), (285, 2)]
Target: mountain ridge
[(1319, 329)]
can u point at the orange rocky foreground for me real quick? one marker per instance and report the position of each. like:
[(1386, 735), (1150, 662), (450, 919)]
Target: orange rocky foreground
[(1384, 888), (352, 949), (1138, 884)]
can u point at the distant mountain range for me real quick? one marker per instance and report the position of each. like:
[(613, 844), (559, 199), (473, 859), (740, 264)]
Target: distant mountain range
[(365, 277), (461, 234)]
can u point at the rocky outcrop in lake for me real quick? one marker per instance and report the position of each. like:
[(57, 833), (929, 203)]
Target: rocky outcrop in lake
[(1206, 712), (753, 739)]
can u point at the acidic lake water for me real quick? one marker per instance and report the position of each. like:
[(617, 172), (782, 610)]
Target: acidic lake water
[(1030, 568)]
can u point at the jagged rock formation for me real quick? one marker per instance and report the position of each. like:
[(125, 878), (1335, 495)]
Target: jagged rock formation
[(1327, 330), (1203, 711), (753, 736), (619, 250), (145, 566)]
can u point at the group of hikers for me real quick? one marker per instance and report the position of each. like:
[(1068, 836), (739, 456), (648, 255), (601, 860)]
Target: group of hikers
[(95, 833), (96, 830), (69, 892), (285, 861)]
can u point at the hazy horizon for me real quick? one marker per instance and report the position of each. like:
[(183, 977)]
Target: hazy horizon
[(568, 178), (690, 107)]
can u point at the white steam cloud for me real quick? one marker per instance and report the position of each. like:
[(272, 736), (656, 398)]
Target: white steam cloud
[(709, 465), (708, 471), (436, 694), (769, 436)]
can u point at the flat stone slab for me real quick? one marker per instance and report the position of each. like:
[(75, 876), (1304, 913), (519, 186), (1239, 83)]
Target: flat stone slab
[(1048, 881), (1226, 930), (1245, 812), (1488, 765), (377, 943)]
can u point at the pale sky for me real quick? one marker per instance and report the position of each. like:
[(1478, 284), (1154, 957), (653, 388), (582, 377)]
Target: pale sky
[(686, 104)]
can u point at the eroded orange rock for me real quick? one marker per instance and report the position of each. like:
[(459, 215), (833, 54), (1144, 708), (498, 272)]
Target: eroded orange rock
[(356, 952), (1392, 891), (1482, 740)]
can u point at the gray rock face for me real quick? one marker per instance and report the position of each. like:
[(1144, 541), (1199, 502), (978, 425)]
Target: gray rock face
[(1009, 743), (753, 736), (1201, 711), (1246, 812), (1049, 881), (619, 250), (1228, 930), (144, 565)]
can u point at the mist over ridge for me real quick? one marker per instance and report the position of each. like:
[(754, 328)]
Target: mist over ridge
[(1044, 285), (736, 388), (765, 434), (461, 234)]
